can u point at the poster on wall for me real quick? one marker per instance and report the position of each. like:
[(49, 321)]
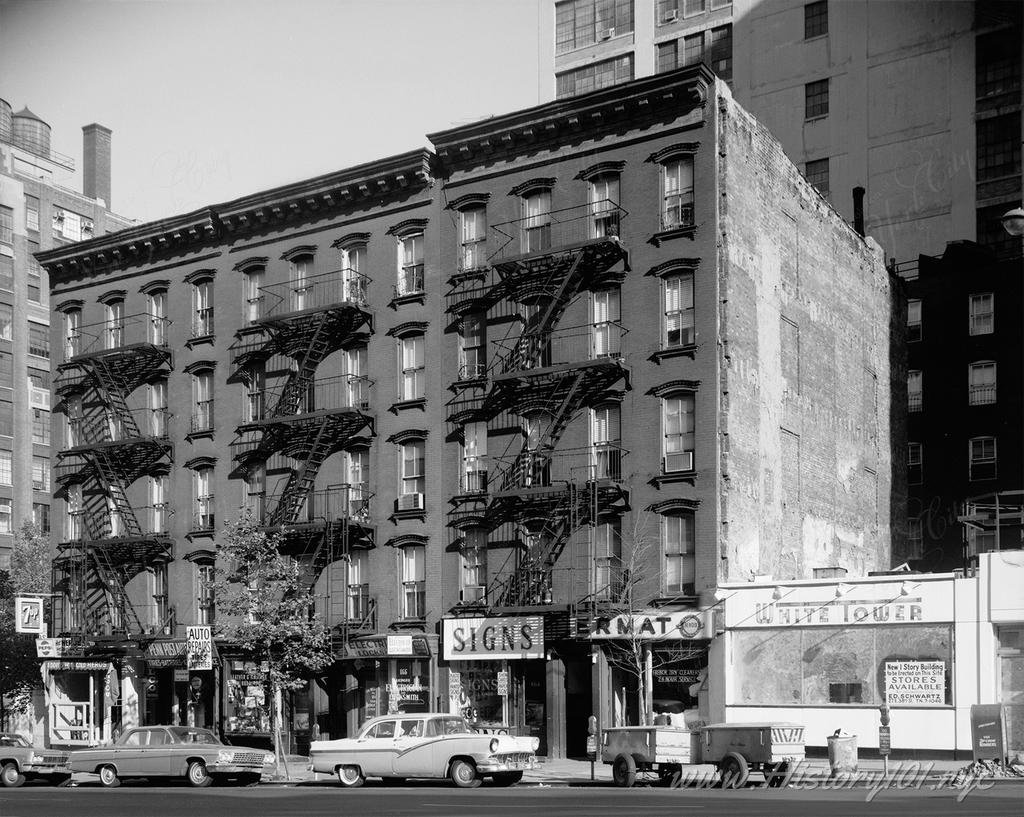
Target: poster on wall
[(915, 683)]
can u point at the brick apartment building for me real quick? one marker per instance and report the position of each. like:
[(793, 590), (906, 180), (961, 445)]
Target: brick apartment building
[(469, 385), (38, 211)]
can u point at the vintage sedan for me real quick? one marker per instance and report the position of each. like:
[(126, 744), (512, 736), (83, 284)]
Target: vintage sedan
[(20, 761), (431, 745), (195, 754)]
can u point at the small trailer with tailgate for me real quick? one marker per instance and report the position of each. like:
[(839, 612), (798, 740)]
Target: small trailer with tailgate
[(735, 748)]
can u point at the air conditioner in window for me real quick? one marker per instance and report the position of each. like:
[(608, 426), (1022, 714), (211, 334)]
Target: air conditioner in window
[(606, 33), (682, 461), (471, 594), (669, 16), (409, 502)]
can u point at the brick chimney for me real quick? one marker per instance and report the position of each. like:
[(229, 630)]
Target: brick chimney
[(96, 162)]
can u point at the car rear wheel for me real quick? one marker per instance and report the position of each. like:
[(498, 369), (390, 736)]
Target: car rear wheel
[(351, 777), (10, 776), (198, 775), (109, 778), (507, 778), (463, 774)]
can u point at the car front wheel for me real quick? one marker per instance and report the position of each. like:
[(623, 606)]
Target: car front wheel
[(198, 775), (463, 774), (10, 776), (351, 777), (109, 778)]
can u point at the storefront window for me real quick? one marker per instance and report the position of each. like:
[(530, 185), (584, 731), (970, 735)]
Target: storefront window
[(247, 709), (478, 686), (409, 686), (826, 666)]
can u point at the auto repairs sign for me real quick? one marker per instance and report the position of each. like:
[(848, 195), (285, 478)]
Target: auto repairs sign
[(199, 648), (507, 637)]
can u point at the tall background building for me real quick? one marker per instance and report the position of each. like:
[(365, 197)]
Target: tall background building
[(917, 102), (38, 211)]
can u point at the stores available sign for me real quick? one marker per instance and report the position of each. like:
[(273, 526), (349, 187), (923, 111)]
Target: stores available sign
[(915, 683), (648, 626), (493, 639)]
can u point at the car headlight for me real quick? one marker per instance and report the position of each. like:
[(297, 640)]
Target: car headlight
[(268, 760), (34, 758), (495, 743), (225, 756), (536, 743)]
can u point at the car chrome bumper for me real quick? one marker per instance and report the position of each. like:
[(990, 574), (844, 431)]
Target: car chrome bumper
[(233, 768), (45, 768), (491, 767)]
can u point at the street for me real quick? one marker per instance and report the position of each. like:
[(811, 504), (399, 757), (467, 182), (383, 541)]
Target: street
[(325, 798)]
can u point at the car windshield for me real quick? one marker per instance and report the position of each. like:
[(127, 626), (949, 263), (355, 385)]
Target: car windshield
[(183, 734), (13, 740)]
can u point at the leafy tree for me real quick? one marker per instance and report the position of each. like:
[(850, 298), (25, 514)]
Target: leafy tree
[(265, 606), (31, 562)]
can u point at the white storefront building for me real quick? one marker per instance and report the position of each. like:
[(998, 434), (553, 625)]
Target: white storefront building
[(826, 653)]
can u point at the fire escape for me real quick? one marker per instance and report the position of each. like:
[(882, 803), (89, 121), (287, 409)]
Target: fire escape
[(545, 376), (306, 418), (110, 446)]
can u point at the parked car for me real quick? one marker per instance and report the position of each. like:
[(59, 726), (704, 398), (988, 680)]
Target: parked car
[(195, 754), (20, 761), (431, 745)]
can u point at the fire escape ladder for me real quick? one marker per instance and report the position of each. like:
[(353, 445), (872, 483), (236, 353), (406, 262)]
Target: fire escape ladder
[(534, 340), (111, 479), (300, 483), (115, 387), (300, 380), (114, 582)]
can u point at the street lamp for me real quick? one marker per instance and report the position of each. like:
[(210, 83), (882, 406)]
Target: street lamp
[(1013, 221)]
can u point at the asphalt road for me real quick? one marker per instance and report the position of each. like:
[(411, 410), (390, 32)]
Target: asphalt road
[(327, 800)]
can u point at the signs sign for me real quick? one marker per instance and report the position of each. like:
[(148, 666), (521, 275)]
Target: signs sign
[(58, 648), (380, 646), (915, 683), (503, 683), (399, 645), (199, 647), (168, 653), (654, 626), (29, 616), (493, 639)]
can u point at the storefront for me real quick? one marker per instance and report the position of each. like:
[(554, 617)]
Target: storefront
[(174, 694), (828, 654), (83, 699)]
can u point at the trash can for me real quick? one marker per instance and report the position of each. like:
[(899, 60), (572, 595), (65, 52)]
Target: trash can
[(842, 754)]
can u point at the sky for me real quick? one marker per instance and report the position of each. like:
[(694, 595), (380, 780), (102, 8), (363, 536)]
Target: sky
[(213, 100)]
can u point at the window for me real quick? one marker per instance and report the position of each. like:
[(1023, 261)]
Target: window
[(410, 264), (668, 59), (693, 7), (202, 485), (412, 373), (474, 566), (473, 346), (69, 226), (31, 213), (115, 518), (913, 320), (677, 536), (256, 490), (604, 205), (594, 77), (982, 383), (204, 594), (915, 393), (6, 272), (40, 426), (473, 227), (982, 314), (34, 280), (606, 441), (357, 384), (6, 371), (72, 333), (158, 511), (721, 52), (6, 524), (580, 23), (815, 19), (6, 411), (998, 147), (75, 513), (300, 270), (253, 294), (354, 280), (679, 328), (816, 173), (41, 517), (414, 582), (606, 329), (357, 466), (158, 577), (997, 63), (255, 384), (74, 413), (202, 305), (5, 468), (915, 464), (678, 425), (413, 479), (39, 340), (816, 99), (915, 539), (157, 309), (158, 408), (982, 458), (536, 209), (677, 193), (474, 458), (202, 391), (6, 322), (668, 11), (609, 578), (40, 474), (114, 324), (6, 226), (358, 582)]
